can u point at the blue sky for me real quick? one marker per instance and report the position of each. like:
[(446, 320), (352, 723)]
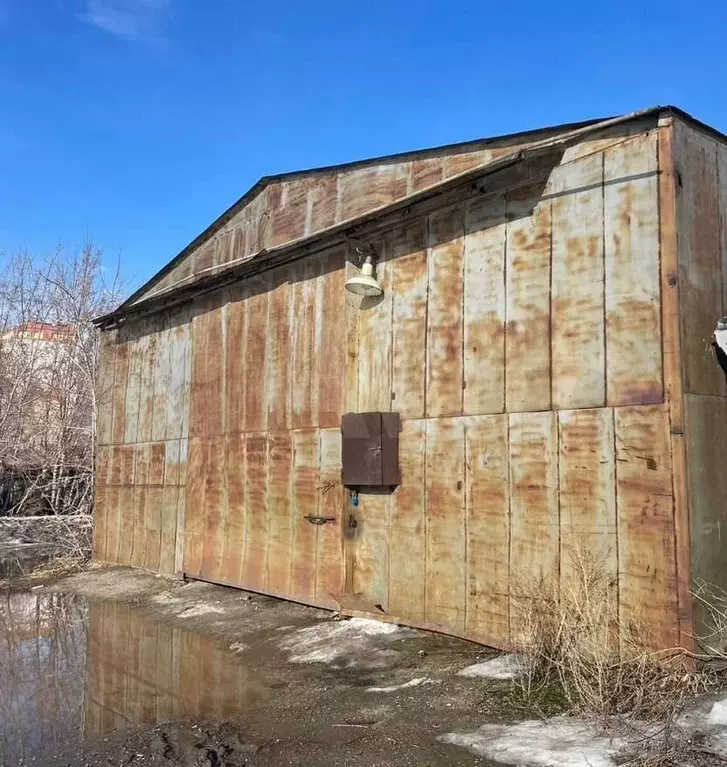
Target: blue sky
[(138, 122)]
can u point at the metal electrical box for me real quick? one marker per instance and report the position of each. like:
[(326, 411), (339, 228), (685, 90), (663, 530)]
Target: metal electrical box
[(370, 447)]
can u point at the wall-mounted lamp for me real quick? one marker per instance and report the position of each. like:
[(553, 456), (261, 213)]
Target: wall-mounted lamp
[(364, 283)]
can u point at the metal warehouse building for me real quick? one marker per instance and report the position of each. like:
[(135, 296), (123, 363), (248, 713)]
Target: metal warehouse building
[(529, 371)]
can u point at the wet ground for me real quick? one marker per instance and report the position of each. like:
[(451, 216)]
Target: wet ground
[(123, 667)]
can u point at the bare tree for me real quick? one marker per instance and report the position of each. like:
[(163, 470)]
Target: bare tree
[(48, 378)]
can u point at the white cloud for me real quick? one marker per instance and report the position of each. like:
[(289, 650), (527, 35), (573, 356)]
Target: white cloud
[(132, 19)]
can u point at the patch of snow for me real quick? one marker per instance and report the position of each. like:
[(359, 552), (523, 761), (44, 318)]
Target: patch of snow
[(167, 599), (198, 610), (502, 667), (348, 643), (718, 713), (370, 627), (239, 647), (558, 742), (394, 687)]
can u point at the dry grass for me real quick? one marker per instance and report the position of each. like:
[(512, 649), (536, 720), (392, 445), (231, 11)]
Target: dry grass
[(576, 650)]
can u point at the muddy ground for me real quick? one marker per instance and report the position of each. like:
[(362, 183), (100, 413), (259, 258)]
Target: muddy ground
[(325, 692), (113, 666)]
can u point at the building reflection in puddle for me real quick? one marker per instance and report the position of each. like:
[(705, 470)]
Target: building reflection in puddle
[(71, 671), (142, 672)]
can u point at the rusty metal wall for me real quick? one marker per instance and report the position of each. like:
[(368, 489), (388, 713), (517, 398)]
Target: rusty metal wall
[(525, 357), (701, 217), (520, 339), (143, 428)]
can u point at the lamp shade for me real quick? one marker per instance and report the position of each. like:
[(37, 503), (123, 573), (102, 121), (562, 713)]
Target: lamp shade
[(364, 283)]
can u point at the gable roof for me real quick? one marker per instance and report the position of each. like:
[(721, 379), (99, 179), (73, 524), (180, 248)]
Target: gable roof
[(266, 181), (473, 156)]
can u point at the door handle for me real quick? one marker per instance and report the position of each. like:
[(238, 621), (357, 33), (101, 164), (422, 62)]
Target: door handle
[(314, 520)]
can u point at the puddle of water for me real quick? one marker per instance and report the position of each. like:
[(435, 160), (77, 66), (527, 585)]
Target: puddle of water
[(70, 671), (42, 661)]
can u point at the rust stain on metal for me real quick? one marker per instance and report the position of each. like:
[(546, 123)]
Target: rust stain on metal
[(633, 322), (332, 349), (577, 285), (256, 540), (329, 575), (139, 537), (231, 569), (534, 527), (445, 598), (374, 369), (121, 373), (487, 508), (321, 204), (426, 173), (306, 460), (407, 248), (106, 389), (289, 214), (214, 510), (527, 302), (277, 384), (303, 297), (194, 525), (644, 497), (256, 353), (235, 357), (363, 190), (279, 531), (291, 208), (444, 315), (158, 459), (701, 294), (484, 306), (408, 526), (587, 493), (390, 428)]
